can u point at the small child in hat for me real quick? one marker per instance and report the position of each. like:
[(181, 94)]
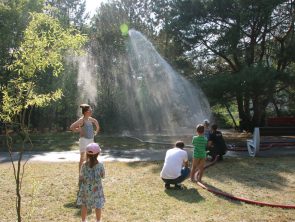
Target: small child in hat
[(91, 194)]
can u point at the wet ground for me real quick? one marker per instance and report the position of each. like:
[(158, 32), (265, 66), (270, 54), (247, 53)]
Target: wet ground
[(238, 140), (135, 155)]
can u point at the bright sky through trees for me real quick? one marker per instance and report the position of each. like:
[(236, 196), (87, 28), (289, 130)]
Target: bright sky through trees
[(92, 5)]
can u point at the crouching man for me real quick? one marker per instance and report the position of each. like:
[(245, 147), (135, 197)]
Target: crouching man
[(216, 144), (175, 169)]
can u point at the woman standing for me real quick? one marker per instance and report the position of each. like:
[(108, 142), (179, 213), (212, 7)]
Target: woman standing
[(84, 125)]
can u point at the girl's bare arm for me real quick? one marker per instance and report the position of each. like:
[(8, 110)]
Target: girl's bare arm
[(75, 127), (96, 125)]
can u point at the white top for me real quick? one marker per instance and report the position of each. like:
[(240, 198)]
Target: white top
[(173, 163)]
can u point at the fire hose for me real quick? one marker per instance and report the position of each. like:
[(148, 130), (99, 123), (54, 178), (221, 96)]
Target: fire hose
[(230, 196)]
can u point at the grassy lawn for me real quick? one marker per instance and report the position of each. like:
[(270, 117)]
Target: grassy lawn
[(134, 192)]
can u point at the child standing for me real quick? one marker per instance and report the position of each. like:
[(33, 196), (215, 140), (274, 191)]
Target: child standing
[(84, 125), (199, 157), (91, 194)]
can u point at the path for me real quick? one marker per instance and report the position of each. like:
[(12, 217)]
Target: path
[(132, 155), (74, 156)]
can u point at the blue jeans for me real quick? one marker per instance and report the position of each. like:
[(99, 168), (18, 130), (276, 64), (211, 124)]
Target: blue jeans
[(185, 172)]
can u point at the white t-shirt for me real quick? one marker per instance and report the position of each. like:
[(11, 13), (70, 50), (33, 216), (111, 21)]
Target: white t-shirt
[(173, 163)]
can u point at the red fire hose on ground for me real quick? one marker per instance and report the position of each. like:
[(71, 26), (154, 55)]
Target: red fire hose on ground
[(221, 193), (266, 146), (244, 199)]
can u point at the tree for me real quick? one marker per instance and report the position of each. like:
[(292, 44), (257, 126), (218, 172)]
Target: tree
[(246, 40), (108, 48), (69, 12), (41, 52), (14, 17)]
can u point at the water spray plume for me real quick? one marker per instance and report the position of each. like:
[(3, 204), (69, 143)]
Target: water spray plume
[(159, 98), (86, 80), (149, 96)]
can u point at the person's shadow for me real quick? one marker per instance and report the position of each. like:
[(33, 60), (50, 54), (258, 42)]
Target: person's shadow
[(190, 195), (72, 205)]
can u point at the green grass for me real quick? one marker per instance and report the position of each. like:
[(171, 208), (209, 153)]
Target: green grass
[(134, 192)]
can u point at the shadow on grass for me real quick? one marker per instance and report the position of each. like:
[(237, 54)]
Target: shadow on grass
[(156, 165), (190, 195), (63, 141), (262, 172), (66, 141), (72, 205)]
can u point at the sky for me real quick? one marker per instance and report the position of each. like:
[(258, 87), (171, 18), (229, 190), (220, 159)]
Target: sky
[(92, 5)]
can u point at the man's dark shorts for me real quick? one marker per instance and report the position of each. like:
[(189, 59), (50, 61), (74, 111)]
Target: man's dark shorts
[(185, 172)]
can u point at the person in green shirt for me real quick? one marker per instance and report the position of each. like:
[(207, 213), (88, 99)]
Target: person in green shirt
[(199, 156)]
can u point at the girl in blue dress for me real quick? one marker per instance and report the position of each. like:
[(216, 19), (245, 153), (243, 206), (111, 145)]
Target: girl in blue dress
[(91, 194)]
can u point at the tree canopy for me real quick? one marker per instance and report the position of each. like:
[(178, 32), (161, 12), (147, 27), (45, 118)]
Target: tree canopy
[(240, 51)]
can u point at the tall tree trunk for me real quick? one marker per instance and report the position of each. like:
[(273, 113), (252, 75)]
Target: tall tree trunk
[(256, 112), (17, 175), (245, 122), (278, 112), (18, 188), (229, 112)]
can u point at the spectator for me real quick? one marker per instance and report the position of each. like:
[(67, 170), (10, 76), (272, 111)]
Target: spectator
[(216, 143), (175, 169), (91, 193), (84, 125), (199, 157)]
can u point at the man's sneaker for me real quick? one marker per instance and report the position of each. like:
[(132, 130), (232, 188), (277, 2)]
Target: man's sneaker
[(178, 187), (167, 186)]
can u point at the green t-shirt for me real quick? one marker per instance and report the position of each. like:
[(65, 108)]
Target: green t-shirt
[(199, 143)]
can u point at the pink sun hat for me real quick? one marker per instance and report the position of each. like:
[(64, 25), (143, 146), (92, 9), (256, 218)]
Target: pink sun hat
[(93, 148)]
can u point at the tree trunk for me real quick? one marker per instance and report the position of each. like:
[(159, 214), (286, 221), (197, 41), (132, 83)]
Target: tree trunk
[(278, 112), (18, 188), (229, 112), (259, 111), (245, 122), (256, 112)]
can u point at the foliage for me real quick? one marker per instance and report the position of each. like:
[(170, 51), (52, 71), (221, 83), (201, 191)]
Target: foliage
[(42, 49), (226, 46), (245, 42), (69, 12), (223, 116), (43, 46), (20, 95), (109, 48), (14, 17)]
